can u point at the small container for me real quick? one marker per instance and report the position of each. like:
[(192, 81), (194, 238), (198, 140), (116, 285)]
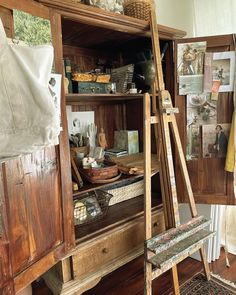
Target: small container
[(79, 157)]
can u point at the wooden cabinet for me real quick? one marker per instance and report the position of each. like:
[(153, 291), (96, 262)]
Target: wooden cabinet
[(36, 208), (36, 201), (97, 256)]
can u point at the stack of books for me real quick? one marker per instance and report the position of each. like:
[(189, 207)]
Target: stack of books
[(115, 152)]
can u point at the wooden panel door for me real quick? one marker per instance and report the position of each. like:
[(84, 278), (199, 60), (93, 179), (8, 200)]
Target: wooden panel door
[(36, 209), (210, 183)]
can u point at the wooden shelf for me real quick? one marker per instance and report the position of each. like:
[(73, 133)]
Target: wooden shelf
[(82, 98), (116, 215), (88, 187), (104, 20)]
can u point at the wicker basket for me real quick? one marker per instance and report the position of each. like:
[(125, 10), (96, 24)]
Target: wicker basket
[(91, 207), (126, 192), (138, 8)]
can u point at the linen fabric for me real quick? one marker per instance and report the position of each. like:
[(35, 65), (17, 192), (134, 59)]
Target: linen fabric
[(28, 119)]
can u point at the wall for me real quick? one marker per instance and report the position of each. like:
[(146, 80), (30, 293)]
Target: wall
[(176, 14), (214, 17)]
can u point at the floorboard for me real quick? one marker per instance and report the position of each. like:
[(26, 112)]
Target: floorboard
[(128, 280)]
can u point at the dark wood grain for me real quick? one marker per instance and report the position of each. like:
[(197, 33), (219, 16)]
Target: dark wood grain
[(38, 208), (63, 153), (210, 183), (80, 98), (6, 276), (28, 6), (33, 194), (6, 17)]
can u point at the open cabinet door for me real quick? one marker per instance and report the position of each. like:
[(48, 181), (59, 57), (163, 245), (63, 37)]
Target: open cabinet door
[(210, 183), (36, 209)]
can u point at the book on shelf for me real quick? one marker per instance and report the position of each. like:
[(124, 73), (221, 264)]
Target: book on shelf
[(116, 152)]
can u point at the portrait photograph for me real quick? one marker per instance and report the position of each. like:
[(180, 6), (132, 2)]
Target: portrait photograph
[(215, 140)]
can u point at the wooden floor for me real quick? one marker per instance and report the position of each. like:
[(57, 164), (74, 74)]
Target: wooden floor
[(128, 280)]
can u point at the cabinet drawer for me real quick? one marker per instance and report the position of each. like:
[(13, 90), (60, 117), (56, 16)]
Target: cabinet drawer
[(98, 253)]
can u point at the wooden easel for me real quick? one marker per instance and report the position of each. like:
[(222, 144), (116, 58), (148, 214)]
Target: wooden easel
[(166, 250)]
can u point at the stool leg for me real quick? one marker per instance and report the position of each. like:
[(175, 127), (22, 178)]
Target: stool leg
[(205, 263), (175, 280)]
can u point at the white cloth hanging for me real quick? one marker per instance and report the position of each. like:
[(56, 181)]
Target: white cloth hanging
[(28, 120)]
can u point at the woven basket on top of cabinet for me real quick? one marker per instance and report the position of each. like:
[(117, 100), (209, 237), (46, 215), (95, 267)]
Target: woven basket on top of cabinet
[(138, 8)]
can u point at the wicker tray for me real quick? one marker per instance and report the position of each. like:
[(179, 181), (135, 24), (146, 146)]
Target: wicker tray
[(95, 175)]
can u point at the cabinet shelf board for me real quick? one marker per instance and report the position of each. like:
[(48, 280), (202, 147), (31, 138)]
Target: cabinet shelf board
[(117, 215), (77, 97), (123, 24)]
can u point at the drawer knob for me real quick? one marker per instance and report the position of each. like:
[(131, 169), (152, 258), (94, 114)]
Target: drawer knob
[(105, 250), (155, 224)]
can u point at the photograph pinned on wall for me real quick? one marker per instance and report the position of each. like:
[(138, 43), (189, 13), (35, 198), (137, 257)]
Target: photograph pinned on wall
[(190, 64), (190, 84), (215, 140), (223, 69), (55, 91), (193, 142), (201, 109), (190, 58)]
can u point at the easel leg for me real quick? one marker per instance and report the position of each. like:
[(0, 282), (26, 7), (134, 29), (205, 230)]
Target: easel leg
[(175, 280), (148, 278), (205, 263)]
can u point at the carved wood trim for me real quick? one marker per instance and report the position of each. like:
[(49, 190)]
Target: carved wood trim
[(28, 6)]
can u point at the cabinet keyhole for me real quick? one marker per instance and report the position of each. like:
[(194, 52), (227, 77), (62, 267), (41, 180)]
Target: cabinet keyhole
[(105, 250)]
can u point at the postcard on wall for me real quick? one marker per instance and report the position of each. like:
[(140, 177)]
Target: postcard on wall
[(190, 84), (201, 109), (190, 58), (223, 69), (207, 85), (215, 140), (193, 142)]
